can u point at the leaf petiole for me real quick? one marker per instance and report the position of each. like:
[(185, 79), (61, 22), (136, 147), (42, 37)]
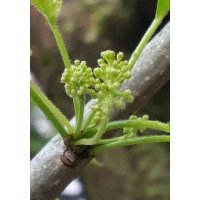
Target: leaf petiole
[(61, 45), (137, 123), (79, 109), (132, 141), (60, 122), (89, 119), (145, 39)]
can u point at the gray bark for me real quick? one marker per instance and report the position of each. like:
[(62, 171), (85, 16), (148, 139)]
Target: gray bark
[(49, 175)]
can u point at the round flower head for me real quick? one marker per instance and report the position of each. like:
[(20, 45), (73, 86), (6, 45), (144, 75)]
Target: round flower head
[(110, 74), (78, 79), (132, 131)]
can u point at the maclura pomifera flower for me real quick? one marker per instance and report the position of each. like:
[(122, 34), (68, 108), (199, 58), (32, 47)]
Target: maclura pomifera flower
[(101, 83)]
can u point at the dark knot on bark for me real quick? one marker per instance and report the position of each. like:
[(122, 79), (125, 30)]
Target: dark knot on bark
[(69, 158)]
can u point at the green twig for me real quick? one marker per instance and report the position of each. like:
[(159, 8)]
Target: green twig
[(80, 114), (145, 39), (138, 124), (76, 107), (60, 122), (89, 119), (101, 130), (132, 141), (104, 121), (61, 45), (101, 141)]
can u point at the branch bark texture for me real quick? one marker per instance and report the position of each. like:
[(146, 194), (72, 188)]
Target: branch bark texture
[(49, 175)]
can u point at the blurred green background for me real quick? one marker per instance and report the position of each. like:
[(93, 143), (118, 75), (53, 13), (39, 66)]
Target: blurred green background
[(89, 27)]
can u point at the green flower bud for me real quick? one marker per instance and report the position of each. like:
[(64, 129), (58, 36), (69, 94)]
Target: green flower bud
[(116, 63), (126, 93), (97, 86), (103, 54), (133, 117), (63, 79), (145, 117), (120, 104), (89, 70), (79, 92), (100, 61), (127, 75), (131, 131), (111, 55), (77, 62), (97, 72), (72, 79), (120, 56), (78, 78), (101, 94), (116, 84), (73, 92)]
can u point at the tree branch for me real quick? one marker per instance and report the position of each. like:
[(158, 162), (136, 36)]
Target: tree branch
[(49, 175)]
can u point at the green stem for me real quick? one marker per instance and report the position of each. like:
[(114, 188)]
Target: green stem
[(61, 45), (138, 123), (104, 122), (89, 119), (132, 141), (145, 39), (81, 105), (105, 141), (91, 141), (76, 107), (49, 109), (101, 130)]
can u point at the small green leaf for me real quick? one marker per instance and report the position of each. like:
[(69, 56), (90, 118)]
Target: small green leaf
[(163, 7), (49, 8)]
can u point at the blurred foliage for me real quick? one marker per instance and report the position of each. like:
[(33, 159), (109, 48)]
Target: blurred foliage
[(89, 27), (37, 142)]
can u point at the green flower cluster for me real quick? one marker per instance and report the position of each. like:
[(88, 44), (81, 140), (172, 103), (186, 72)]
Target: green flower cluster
[(78, 79), (110, 74), (132, 131), (103, 83)]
